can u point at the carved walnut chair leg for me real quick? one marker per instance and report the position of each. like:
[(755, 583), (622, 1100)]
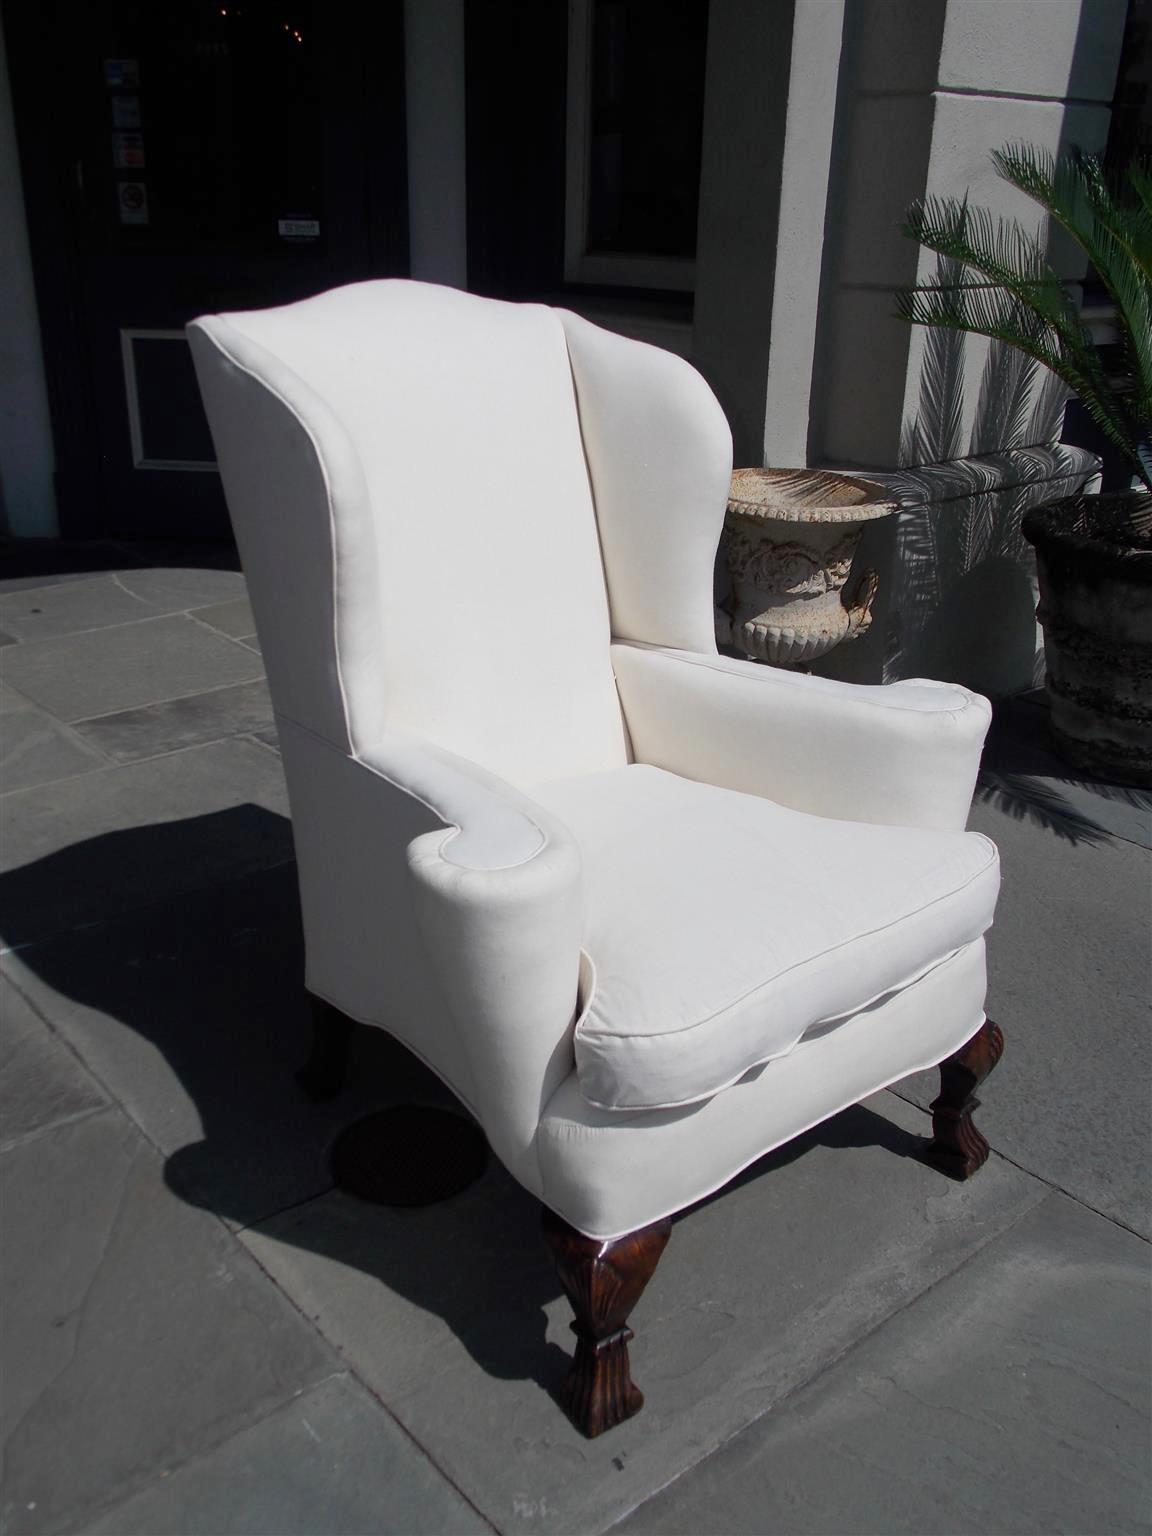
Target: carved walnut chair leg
[(322, 1075), (603, 1281), (957, 1147)]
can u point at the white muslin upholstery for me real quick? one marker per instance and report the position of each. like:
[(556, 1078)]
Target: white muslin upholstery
[(722, 926), (462, 590), (443, 905), (905, 754), (659, 460), (479, 539), (607, 1178)]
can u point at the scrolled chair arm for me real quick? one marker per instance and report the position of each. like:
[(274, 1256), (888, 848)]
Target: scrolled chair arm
[(489, 825), (499, 902), (901, 754)]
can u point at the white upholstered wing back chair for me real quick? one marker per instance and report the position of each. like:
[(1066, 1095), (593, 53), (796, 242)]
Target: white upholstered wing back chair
[(650, 912)]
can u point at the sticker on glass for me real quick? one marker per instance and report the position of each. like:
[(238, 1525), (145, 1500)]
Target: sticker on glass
[(125, 111), (298, 229), (128, 151), (133, 199), (122, 72)]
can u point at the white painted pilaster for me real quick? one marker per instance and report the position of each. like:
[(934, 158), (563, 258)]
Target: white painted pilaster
[(808, 135), (745, 110), (27, 458), (437, 191)]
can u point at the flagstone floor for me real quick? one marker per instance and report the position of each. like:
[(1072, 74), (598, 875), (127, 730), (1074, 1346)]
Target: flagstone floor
[(202, 1335)]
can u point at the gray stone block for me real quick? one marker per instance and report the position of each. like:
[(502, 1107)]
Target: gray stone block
[(330, 1463), (878, 186), (967, 127), (131, 734), (453, 1314), (41, 1082), (994, 48), (87, 850), (861, 382), (77, 676), (193, 1013), (35, 749), (138, 1334), (895, 48), (1012, 1397)]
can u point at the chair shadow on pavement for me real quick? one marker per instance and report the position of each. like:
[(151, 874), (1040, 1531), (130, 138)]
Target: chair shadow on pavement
[(191, 1010)]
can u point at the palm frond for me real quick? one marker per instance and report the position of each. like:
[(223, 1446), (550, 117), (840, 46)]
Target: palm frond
[(999, 250), (1000, 316), (1140, 178), (1014, 296), (1113, 226), (1075, 192)]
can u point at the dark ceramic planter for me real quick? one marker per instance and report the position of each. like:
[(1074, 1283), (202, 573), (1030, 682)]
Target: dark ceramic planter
[(1096, 609)]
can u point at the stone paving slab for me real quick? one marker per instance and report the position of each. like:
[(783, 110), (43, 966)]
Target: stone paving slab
[(330, 1463), (270, 737), (89, 849), (233, 618), (41, 1082), (173, 589), (30, 563), (454, 1317), (36, 749), (1069, 970), (179, 987), (1011, 1398), (126, 666), (192, 1012), (132, 734), (71, 607), (137, 1332)]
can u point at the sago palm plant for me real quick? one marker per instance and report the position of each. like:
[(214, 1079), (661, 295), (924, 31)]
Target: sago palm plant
[(1010, 291)]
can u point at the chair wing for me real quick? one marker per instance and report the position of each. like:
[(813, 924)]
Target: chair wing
[(409, 489), (660, 458)]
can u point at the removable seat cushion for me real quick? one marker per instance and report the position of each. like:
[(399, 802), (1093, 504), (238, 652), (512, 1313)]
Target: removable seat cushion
[(722, 927)]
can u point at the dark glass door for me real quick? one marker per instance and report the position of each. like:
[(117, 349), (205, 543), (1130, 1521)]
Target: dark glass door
[(203, 156)]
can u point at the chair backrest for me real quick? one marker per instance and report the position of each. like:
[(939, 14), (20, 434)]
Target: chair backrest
[(413, 501)]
